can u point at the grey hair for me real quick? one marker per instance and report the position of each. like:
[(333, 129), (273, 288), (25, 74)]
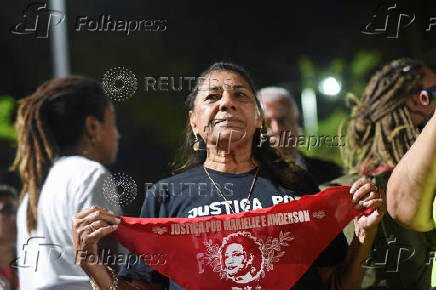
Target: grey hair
[(278, 93)]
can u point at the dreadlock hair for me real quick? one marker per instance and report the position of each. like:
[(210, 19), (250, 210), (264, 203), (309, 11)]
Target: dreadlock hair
[(269, 158), (50, 124), (380, 130)]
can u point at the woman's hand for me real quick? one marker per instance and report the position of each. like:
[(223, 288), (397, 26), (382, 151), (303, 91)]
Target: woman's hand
[(89, 226), (367, 195)]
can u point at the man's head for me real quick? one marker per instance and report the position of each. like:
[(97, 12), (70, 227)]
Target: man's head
[(281, 112)]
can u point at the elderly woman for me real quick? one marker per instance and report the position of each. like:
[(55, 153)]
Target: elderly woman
[(232, 167)]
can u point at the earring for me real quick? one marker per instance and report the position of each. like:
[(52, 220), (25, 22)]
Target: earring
[(95, 139), (263, 134), (196, 145)]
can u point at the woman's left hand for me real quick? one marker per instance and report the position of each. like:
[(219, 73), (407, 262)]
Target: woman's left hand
[(366, 195)]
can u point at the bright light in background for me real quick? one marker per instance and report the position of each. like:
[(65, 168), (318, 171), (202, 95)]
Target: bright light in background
[(330, 86), (310, 112)]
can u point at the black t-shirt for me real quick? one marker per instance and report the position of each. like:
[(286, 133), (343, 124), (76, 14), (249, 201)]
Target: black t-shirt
[(192, 194)]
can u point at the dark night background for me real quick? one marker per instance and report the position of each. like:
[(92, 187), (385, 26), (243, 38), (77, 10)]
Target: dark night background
[(269, 38)]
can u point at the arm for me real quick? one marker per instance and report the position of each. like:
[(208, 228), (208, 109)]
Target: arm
[(90, 192), (349, 274), (412, 185), (89, 226)]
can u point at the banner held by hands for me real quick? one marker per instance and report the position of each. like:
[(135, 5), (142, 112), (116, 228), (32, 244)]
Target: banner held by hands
[(268, 248)]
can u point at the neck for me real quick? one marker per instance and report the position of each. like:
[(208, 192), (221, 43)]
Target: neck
[(87, 151), (234, 161)]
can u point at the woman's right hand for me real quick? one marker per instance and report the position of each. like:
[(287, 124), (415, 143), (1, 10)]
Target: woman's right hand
[(89, 226)]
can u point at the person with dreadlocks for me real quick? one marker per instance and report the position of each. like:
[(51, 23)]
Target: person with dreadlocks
[(66, 130), (383, 125)]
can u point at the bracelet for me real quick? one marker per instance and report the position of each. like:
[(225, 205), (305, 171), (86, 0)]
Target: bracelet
[(114, 281)]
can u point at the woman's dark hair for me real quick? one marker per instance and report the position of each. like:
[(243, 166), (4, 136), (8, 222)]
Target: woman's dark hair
[(380, 131), (271, 161), (50, 123)]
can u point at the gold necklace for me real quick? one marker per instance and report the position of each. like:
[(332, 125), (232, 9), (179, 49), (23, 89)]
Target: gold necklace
[(222, 195)]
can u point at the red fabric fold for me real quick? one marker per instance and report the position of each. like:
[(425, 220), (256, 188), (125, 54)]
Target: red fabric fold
[(268, 248)]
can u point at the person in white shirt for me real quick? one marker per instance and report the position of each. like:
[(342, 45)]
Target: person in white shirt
[(66, 131)]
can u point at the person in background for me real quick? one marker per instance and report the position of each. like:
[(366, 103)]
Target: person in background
[(383, 125), (283, 117), (8, 236), (66, 131)]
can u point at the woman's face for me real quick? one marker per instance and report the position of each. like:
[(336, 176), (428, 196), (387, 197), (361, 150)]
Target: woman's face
[(225, 112), (418, 112), (235, 259)]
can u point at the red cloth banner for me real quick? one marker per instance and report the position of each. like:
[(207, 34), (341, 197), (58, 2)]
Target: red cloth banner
[(268, 248)]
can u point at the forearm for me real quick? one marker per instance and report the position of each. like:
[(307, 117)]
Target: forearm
[(349, 275), (412, 185), (99, 274)]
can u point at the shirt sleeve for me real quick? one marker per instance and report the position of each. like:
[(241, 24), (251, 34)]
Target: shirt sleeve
[(90, 192), (152, 207)]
